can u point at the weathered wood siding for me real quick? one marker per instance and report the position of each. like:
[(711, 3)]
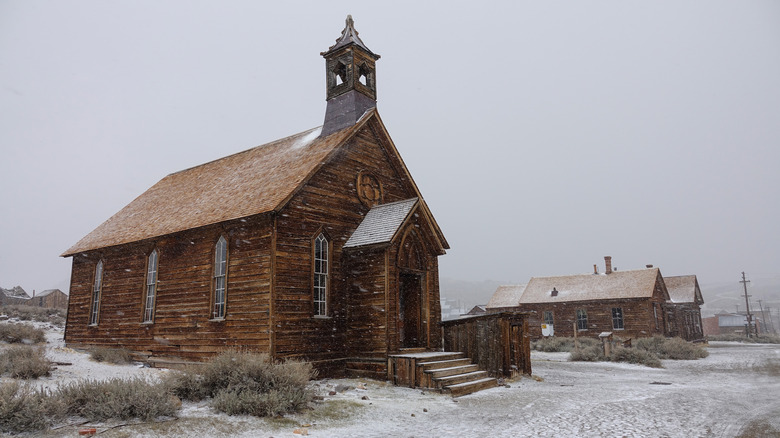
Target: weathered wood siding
[(53, 300), (182, 324), (499, 343)]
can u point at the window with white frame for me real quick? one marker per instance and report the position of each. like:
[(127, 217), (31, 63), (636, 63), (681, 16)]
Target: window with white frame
[(220, 278), (617, 318), (582, 319), (320, 276), (96, 288), (151, 286)]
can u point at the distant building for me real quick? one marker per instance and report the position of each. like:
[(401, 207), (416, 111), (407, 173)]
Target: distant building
[(477, 310), (50, 299), (13, 296), (684, 307), (725, 323), (630, 304)]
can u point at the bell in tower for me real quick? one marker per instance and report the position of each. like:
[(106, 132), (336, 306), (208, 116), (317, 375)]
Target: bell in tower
[(350, 71)]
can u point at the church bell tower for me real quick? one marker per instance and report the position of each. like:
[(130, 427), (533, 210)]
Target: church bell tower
[(350, 72)]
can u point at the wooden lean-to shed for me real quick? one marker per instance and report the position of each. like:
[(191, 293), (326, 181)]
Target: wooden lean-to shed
[(684, 305), (317, 246)]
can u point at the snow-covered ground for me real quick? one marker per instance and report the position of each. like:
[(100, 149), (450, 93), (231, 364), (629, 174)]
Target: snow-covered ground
[(723, 395)]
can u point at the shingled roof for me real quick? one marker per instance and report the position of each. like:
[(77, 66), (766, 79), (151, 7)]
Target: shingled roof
[(683, 289), (256, 181), (381, 223), (506, 296), (586, 287)]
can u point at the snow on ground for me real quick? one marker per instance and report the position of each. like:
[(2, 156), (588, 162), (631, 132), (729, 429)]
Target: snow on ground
[(718, 396)]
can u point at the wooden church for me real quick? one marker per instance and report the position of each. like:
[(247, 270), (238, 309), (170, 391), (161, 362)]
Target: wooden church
[(317, 246)]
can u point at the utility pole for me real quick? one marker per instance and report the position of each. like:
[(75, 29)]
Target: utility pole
[(747, 303)]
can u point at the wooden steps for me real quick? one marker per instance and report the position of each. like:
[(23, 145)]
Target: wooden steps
[(451, 373)]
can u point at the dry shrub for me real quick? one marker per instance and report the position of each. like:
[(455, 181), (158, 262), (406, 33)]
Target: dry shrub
[(24, 362), (32, 313), (733, 337), (21, 334), (246, 383), (672, 348), (24, 408), (118, 356), (117, 399), (635, 355), (555, 344), (593, 353)]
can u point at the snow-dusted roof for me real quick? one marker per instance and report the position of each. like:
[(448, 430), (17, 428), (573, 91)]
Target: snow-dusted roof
[(49, 291), (506, 296), (682, 289), (15, 292), (381, 223), (586, 287)]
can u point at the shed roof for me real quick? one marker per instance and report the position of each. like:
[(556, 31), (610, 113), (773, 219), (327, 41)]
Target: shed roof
[(381, 223), (506, 296), (683, 289), (256, 181), (586, 287), (49, 292)]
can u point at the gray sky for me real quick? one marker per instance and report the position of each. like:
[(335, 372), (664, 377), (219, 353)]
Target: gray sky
[(543, 135)]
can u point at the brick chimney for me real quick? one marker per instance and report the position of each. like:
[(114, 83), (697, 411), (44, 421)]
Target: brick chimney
[(608, 264)]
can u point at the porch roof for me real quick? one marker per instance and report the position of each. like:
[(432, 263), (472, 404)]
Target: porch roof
[(381, 223)]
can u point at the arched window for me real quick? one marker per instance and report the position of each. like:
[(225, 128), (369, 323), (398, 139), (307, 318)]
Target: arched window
[(220, 278), (151, 287), (321, 276), (96, 288)]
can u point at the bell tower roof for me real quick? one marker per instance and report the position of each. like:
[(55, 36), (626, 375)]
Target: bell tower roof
[(350, 80), (349, 36)]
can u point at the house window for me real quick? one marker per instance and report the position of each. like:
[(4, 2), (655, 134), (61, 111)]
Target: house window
[(548, 317), (96, 288), (582, 319), (151, 287), (655, 314), (617, 318), (220, 277), (320, 275)]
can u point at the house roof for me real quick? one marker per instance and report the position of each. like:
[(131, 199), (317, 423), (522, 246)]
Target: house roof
[(683, 289), (256, 181), (48, 292), (381, 223), (506, 296), (587, 287), (15, 292)]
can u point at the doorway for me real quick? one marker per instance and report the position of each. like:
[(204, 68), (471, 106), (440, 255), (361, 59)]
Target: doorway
[(410, 290)]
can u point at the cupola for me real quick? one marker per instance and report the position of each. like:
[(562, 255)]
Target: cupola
[(350, 75)]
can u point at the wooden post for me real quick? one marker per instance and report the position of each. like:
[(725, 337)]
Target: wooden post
[(576, 344)]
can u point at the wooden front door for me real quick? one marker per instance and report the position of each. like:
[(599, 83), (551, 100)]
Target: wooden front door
[(410, 309)]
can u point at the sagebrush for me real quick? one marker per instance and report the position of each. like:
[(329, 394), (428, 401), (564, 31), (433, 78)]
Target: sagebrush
[(553, 344), (17, 333), (117, 399), (32, 313), (672, 348), (758, 339), (246, 383), (24, 362)]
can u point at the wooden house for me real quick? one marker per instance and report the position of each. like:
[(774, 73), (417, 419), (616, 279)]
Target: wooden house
[(14, 296), (317, 246), (50, 299), (684, 307), (629, 304)]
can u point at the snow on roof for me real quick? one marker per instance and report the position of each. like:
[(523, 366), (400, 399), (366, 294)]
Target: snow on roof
[(682, 288), (586, 287), (48, 291), (381, 223), (15, 292), (506, 296)]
